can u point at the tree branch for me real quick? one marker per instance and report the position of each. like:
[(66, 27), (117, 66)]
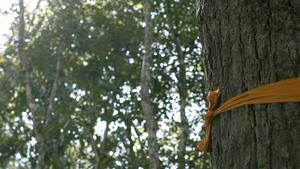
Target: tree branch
[(54, 87)]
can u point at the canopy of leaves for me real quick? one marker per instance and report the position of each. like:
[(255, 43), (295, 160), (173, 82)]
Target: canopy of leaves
[(97, 109)]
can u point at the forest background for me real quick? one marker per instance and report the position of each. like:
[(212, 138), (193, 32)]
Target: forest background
[(70, 78)]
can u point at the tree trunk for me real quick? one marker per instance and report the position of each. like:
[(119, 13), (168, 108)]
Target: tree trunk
[(248, 44), (100, 152), (183, 102), (132, 163), (182, 87), (145, 90), (28, 88), (39, 127)]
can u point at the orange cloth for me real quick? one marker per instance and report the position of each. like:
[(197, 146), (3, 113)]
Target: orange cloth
[(279, 92)]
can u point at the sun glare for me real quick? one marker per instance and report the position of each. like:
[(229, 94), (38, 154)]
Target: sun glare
[(7, 17)]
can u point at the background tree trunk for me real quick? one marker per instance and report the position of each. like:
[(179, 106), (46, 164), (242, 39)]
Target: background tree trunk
[(145, 90), (100, 153), (181, 86), (248, 44), (184, 126), (41, 120), (28, 87), (183, 93)]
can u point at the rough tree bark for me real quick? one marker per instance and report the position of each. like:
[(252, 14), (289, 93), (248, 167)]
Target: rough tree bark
[(248, 44), (145, 90)]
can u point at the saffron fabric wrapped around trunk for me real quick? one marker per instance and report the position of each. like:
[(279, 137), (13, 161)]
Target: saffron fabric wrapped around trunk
[(278, 92)]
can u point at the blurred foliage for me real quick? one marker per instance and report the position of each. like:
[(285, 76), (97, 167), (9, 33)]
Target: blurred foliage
[(97, 109)]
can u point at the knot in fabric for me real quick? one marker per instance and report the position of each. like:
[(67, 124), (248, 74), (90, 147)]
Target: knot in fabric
[(278, 92), (212, 99)]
